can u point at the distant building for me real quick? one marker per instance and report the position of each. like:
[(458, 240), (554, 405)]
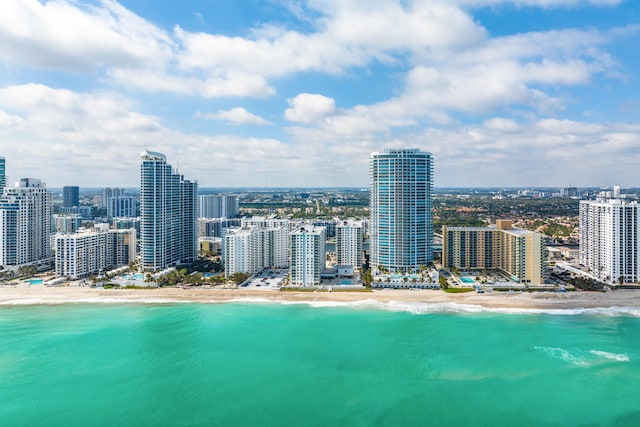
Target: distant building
[(610, 239), (329, 224), (401, 222), (249, 250), (108, 193), (25, 223), (3, 174), (219, 206), (263, 222), (83, 211), (518, 253), (70, 196), (168, 214), (67, 223), (124, 223), (89, 252), (121, 206), (307, 255), (349, 239), (214, 227), (569, 192)]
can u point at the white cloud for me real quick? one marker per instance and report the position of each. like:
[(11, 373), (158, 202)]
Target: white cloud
[(237, 116), (309, 108), (63, 35)]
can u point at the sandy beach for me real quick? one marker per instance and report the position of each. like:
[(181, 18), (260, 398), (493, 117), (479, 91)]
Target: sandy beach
[(19, 295)]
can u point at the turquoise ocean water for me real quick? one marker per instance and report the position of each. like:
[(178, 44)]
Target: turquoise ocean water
[(298, 365)]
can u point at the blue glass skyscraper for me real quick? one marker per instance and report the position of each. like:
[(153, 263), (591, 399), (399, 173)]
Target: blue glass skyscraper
[(168, 214), (401, 219)]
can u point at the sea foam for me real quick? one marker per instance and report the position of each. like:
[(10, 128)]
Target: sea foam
[(413, 307), (579, 357)]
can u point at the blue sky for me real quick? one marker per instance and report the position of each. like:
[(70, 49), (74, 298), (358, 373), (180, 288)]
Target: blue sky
[(298, 93)]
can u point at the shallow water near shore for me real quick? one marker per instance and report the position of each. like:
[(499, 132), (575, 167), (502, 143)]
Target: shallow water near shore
[(293, 364)]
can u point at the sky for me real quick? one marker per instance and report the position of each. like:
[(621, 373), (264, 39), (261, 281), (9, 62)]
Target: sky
[(282, 93)]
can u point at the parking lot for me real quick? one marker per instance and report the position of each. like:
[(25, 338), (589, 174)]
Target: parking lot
[(267, 279)]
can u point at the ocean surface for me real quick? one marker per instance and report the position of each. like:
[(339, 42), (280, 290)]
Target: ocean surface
[(258, 364)]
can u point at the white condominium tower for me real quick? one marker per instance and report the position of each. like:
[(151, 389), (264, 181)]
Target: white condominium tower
[(610, 239), (90, 251), (249, 250), (218, 206), (25, 223), (349, 237), (168, 214), (401, 221), (307, 251)]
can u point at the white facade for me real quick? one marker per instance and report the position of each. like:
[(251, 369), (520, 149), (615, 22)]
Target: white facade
[(218, 206), (25, 223), (264, 222), (349, 238), (307, 252), (88, 252), (249, 250), (610, 239)]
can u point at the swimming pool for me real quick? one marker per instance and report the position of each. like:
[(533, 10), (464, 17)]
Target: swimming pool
[(137, 276), (35, 281), (467, 280)]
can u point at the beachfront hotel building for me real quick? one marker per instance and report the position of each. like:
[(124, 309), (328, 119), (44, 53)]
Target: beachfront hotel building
[(610, 239), (25, 224), (518, 253), (349, 239), (400, 206), (249, 250), (90, 252), (307, 255), (168, 214), (218, 206)]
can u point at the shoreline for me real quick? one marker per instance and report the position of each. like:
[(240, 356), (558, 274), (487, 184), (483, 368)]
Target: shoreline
[(498, 301)]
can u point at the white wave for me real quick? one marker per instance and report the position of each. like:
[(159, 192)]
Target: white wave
[(397, 306), (562, 354), (583, 358), (610, 356)]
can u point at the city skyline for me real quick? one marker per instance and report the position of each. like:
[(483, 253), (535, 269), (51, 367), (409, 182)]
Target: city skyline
[(533, 93)]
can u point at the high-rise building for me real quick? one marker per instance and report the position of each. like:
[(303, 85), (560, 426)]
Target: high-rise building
[(214, 227), (3, 174), (307, 255), (108, 193), (516, 252), (249, 250), (92, 251), (349, 237), (70, 196), (610, 239), (25, 223), (168, 214), (401, 221), (67, 223), (218, 206), (121, 206)]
